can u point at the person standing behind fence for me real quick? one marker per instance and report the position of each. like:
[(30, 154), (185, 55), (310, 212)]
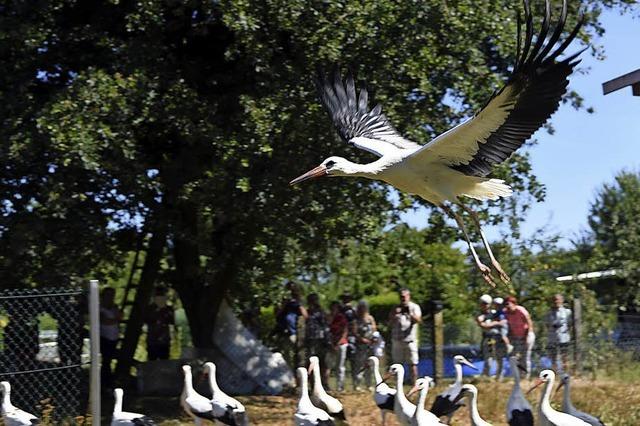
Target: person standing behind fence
[(403, 321), (558, 324), (287, 315), (492, 344), (363, 328), (110, 317), (520, 327), (338, 331), (159, 317), (316, 330)]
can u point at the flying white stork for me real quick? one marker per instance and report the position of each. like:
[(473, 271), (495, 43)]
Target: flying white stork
[(320, 397), (11, 415), (383, 395), (567, 406), (547, 416), (422, 417), (443, 405), (471, 392), (308, 414), (519, 412), (456, 163), (226, 410), (125, 418)]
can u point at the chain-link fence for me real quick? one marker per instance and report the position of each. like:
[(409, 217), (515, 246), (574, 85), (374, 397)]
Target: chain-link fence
[(43, 350)]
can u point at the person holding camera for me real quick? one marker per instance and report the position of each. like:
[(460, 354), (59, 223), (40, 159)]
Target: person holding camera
[(403, 321), (558, 324)]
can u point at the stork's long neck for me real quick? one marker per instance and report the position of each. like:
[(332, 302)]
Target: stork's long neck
[(566, 399), (516, 378), (304, 392), (317, 383), (545, 404), (421, 400), (368, 170), (213, 382), (458, 368), (188, 384), (473, 410), (376, 373), (6, 400), (117, 407), (400, 388)]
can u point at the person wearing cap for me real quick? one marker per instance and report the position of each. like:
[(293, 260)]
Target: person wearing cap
[(492, 345), (520, 330), (403, 321)]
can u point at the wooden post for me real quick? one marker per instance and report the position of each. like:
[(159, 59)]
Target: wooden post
[(577, 334), (437, 339)]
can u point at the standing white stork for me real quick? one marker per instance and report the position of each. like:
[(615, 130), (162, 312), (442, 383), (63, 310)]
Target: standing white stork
[(226, 410), (402, 407), (456, 163), (194, 404), (320, 397), (471, 392), (547, 416), (308, 414), (125, 418), (567, 406), (422, 417), (443, 405), (383, 395), (11, 415), (519, 412)]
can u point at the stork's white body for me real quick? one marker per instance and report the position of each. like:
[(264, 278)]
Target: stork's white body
[(567, 406), (11, 415), (519, 411), (546, 414), (308, 414), (319, 397), (226, 410), (194, 404), (125, 418)]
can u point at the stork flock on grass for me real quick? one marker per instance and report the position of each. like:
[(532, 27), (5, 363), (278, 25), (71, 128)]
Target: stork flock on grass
[(317, 408), (457, 163)]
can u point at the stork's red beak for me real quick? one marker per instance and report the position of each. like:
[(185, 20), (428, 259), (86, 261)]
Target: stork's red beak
[(319, 171)]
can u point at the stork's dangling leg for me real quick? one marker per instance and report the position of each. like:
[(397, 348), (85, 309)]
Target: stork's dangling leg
[(503, 275), (484, 269)]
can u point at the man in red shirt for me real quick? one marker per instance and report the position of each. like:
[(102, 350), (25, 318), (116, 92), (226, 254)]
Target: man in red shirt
[(520, 325)]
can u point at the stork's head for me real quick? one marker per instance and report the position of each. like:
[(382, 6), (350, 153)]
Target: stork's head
[(332, 166), (466, 390), (459, 359), (544, 377), (424, 382)]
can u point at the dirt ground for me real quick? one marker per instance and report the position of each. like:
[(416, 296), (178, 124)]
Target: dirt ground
[(617, 403)]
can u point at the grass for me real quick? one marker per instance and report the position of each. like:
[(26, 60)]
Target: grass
[(616, 402)]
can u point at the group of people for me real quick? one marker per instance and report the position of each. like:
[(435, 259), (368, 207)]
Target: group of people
[(507, 328), (345, 334)]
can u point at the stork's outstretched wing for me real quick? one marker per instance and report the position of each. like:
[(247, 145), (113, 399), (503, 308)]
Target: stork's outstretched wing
[(512, 115), (367, 129)]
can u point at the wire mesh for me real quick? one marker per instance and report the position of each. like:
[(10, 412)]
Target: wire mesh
[(42, 336)]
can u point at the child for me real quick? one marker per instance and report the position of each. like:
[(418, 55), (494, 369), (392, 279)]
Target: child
[(504, 330)]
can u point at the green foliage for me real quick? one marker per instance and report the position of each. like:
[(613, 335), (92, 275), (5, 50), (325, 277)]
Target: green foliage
[(615, 233)]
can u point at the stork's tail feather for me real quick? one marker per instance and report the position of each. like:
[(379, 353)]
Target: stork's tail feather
[(489, 189)]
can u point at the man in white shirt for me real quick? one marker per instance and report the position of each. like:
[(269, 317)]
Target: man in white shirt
[(404, 320), (558, 323)]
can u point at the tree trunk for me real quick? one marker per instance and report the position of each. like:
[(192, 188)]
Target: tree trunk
[(144, 290)]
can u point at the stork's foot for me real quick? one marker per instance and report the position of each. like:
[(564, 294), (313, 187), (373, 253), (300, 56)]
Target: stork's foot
[(503, 275), (486, 274)]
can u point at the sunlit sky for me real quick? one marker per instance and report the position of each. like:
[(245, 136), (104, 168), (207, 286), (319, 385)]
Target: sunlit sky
[(586, 150)]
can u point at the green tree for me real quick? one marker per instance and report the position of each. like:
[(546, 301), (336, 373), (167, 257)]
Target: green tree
[(180, 122)]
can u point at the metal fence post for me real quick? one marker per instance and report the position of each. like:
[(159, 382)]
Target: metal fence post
[(94, 323), (577, 334)]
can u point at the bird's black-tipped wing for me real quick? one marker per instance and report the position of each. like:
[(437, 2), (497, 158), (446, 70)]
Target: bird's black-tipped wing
[(443, 406), (143, 421), (366, 128), (521, 418), (531, 95)]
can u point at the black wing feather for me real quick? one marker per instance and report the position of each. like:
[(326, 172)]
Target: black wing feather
[(143, 421), (443, 406), (388, 403), (521, 418), (538, 83)]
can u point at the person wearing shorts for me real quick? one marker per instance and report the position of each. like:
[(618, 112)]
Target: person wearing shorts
[(403, 321)]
